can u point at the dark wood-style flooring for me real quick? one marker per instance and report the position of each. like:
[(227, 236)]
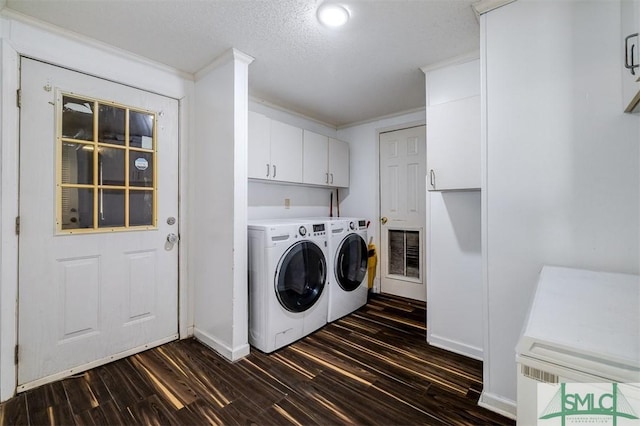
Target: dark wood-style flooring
[(372, 367)]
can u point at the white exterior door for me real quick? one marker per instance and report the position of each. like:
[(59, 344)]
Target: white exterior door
[(402, 212), (98, 278)]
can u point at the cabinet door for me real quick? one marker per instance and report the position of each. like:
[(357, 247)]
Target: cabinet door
[(259, 165), (286, 152), (453, 145), (315, 153), (338, 163), (630, 21)]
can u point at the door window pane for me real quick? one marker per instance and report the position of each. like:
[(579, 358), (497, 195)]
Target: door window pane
[(111, 166), (140, 169), (77, 118), (140, 208), (77, 163), (110, 208), (77, 208), (111, 125), (141, 130)]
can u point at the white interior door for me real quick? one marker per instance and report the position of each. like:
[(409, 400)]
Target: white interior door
[(402, 212), (98, 278)]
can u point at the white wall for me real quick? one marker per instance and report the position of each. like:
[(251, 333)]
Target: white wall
[(23, 36), (561, 162), (361, 199), (218, 237)]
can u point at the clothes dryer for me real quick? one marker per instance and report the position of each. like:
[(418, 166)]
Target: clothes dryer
[(287, 279), (348, 252), (348, 258)]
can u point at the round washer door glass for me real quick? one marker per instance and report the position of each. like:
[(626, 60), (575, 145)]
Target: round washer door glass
[(351, 265), (301, 276)]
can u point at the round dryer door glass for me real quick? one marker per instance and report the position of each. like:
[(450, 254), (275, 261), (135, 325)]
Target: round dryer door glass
[(301, 276), (351, 262)]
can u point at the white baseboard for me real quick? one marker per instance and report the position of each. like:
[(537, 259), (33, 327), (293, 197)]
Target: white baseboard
[(498, 404), (455, 346), (232, 354)]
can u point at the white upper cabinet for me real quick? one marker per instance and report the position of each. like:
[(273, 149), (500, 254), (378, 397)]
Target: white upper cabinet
[(453, 126), (259, 146), (326, 161), (275, 150), (338, 163), (286, 152), (315, 158), (630, 20)]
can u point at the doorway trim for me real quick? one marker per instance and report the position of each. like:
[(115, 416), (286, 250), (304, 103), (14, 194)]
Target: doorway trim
[(24, 37), (378, 227)]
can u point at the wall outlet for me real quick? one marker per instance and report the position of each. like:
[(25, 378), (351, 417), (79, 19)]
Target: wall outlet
[(287, 203)]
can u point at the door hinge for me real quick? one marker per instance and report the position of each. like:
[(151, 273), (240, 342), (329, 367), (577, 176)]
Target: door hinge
[(17, 225), (19, 98), (16, 353)]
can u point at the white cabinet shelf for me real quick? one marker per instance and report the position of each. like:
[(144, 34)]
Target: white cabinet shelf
[(275, 150)]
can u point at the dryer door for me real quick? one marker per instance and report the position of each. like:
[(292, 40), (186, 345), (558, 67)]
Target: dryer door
[(351, 262), (301, 276)]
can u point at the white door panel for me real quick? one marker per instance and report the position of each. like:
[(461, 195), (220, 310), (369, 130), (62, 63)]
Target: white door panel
[(402, 212), (87, 298)]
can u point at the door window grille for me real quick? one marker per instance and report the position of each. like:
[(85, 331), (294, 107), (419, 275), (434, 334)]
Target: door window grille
[(106, 167), (404, 253)]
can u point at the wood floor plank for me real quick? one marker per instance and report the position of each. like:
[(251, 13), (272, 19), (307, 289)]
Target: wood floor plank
[(14, 411), (373, 367)]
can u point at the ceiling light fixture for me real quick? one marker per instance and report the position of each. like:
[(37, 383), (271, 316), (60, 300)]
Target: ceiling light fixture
[(333, 15)]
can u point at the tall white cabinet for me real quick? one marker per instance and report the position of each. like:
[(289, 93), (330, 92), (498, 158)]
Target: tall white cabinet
[(453, 125), (453, 238)]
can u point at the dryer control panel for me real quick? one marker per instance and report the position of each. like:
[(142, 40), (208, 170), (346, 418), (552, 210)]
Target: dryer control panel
[(357, 225)]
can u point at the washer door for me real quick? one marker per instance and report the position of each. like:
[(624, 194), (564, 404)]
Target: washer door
[(351, 262), (301, 276)]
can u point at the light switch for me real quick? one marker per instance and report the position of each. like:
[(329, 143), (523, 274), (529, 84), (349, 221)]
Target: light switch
[(287, 203)]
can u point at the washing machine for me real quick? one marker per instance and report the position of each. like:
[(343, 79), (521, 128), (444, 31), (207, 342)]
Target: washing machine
[(348, 257), (288, 270)]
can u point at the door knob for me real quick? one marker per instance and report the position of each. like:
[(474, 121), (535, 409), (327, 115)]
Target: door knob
[(384, 220), (172, 238)]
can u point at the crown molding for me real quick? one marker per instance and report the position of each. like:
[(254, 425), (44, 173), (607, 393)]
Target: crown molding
[(229, 55), (460, 59), (484, 6)]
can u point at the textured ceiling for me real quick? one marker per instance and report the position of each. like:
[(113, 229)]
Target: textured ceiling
[(366, 69)]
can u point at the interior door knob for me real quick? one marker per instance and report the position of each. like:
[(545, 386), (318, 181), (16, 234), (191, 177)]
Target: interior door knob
[(384, 220)]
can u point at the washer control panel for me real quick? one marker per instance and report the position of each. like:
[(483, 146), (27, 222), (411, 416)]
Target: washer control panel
[(302, 231), (319, 229)]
